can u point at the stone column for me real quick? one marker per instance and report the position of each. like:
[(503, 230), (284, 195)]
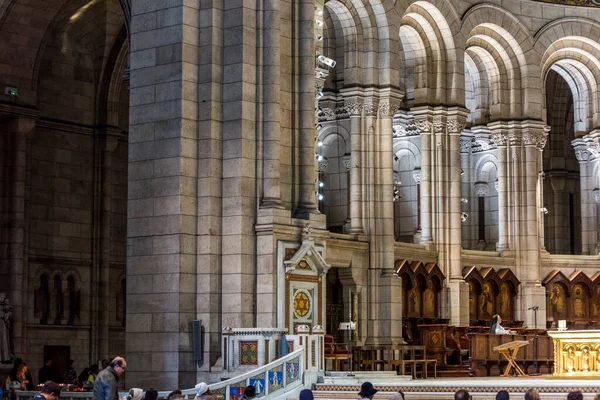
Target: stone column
[(13, 180), (585, 155), (560, 210), (354, 106), (596, 197), (499, 137), (271, 75), (424, 126), (534, 139), (459, 289), (306, 110), (106, 143), (163, 185)]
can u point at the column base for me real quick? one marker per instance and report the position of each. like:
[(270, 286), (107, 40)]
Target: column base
[(271, 202), (305, 210)]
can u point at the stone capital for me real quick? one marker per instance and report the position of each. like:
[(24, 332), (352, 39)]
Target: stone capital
[(423, 125), (499, 139), (388, 108), (417, 176), (481, 189), (596, 195), (456, 124), (535, 137), (465, 144), (354, 107), (370, 108)]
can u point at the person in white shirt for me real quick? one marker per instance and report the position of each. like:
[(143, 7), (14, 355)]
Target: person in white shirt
[(496, 328)]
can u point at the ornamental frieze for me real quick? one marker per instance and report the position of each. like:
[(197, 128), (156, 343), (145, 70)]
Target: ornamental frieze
[(499, 139), (535, 138), (582, 3), (423, 125), (354, 108), (456, 125), (326, 114), (465, 145)]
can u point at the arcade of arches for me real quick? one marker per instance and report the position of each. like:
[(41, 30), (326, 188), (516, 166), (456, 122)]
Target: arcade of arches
[(161, 161)]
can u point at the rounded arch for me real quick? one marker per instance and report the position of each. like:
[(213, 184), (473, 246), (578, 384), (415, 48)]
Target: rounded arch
[(509, 43), (345, 35), (576, 58), (484, 166), (408, 148), (429, 52)]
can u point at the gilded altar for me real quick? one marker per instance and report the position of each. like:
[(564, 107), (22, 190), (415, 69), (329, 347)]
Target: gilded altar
[(576, 353)]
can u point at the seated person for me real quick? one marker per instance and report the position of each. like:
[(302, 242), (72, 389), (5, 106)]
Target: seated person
[(496, 328)]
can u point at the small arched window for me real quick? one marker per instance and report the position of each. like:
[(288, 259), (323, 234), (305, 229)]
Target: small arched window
[(57, 300), (42, 300), (74, 300)]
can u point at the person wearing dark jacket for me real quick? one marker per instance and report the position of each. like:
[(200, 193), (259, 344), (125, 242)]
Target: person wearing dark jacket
[(45, 373), (105, 385), (50, 391)]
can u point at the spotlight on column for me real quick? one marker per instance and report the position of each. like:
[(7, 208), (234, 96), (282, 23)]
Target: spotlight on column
[(320, 197), (319, 38), (326, 60), (464, 216), (462, 172), (319, 22), (320, 94), (319, 157), (397, 195), (395, 157), (544, 210), (321, 184), (463, 200), (320, 143), (397, 183), (319, 127)]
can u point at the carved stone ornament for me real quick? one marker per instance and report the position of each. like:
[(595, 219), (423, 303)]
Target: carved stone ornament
[(582, 155), (596, 195), (482, 144), (341, 113), (326, 114), (481, 189), (370, 109), (423, 125), (465, 145), (513, 139), (499, 139), (456, 125), (439, 126), (347, 163), (371, 130), (323, 166), (417, 176), (354, 108), (535, 137), (388, 108)]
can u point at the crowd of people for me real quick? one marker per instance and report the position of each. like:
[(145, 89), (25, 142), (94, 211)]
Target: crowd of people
[(105, 382)]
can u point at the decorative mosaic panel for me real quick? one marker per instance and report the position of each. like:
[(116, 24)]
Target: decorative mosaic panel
[(236, 390), (275, 378), (292, 370), (249, 353), (258, 381), (302, 303), (218, 393)]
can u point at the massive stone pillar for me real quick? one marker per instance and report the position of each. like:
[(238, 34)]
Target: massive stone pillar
[(162, 217), (13, 278), (354, 104), (306, 110), (271, 124)]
